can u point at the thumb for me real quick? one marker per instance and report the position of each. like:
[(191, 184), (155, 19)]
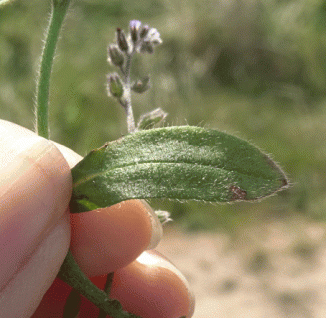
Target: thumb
[(35, 188)]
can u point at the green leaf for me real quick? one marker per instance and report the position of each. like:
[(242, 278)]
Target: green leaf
[(177, 163)]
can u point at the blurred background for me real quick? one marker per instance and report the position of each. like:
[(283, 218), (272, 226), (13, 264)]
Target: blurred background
[(252, 68)]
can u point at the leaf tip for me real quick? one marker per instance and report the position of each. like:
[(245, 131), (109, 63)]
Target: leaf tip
[(283, 179), (284, 182)]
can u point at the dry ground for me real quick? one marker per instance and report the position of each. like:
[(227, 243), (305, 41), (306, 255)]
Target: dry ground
[(267, 271)]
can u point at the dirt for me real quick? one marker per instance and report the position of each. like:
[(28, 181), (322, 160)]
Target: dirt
[(272, 270)]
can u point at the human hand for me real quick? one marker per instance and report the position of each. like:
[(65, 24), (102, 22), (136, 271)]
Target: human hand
[(36, 231)]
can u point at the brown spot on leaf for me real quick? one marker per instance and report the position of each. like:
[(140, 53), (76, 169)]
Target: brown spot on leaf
[(105, 145), (284, 183), (237, 193)]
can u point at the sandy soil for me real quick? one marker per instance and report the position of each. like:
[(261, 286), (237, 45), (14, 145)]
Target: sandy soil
[(266, 271)]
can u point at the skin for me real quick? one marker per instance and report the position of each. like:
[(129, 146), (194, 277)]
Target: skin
[(37, 229)]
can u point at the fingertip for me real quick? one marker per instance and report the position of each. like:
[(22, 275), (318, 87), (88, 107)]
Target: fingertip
[(152, 287), (157, 229), (71, 157), (107, 239)]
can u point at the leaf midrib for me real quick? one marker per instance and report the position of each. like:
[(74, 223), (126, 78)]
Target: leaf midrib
[(93, 176)]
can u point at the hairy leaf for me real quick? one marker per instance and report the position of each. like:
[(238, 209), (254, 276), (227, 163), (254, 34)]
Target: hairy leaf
[(177, 163)]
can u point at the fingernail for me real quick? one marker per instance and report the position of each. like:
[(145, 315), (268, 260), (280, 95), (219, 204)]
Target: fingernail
[(157, 229), (165, 291), (156, 259)]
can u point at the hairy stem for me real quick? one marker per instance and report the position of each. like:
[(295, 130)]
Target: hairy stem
[(130, 117), (127, 96), (73, 276), (58, 13)]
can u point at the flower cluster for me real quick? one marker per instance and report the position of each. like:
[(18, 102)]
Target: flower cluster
[(140, 39)]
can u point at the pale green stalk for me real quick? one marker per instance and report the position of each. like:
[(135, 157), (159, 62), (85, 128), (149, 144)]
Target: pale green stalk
[(58, 13)]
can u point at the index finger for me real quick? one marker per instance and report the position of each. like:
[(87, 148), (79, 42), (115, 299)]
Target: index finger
[(110, 238)]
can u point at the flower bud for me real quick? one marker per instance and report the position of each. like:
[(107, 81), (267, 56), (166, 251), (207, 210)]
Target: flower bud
[(122, 40), (149, 120), (115, 86), (134, 27), (154, 36), (141, 86), (115, 56), (144, 31)]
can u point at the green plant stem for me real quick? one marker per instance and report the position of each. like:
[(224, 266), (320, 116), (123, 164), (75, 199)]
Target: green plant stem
[(73, 276), (107, 290), (72, 306), (58, 13)]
